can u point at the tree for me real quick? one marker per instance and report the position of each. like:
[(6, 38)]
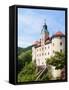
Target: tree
[(58, 60), (23, 58), (27, 73)]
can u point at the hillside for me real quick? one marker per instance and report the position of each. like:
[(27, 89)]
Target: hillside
[(20, 49)]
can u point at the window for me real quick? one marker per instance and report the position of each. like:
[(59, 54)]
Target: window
[(42, 48), (42, 63), (45, 47), (60, 50), (42, 54), (48, 46), (53, 51), (48, 53), (45, 53), (60, 43), (53, 44)]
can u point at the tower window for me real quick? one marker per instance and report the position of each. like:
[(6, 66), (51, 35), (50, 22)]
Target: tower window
[(53, 44), (48, 46), (45, 47), (45, 53), (60, 50), (60, 43)]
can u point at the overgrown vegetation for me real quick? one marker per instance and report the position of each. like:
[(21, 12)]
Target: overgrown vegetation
[(24, 58), (27, 73), (27, 70), (58, 60)]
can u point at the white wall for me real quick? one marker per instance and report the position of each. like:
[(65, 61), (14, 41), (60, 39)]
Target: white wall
[(56, 41), (42, 53), (4, 24)]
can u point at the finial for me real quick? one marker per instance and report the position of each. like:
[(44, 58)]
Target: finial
[(44, 21)]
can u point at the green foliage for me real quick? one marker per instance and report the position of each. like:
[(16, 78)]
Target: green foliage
[(21, 50), (23, 58), (26, 57), (57, 60), (27, 73)]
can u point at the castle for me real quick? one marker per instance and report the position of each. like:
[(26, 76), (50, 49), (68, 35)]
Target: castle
[(47, 46)]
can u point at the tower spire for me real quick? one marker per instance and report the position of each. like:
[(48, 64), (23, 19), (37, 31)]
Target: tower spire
[(44, 32), (45, 25), (44, 21)]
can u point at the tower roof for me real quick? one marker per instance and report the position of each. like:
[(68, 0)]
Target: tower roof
[(44, 29), (60, 34)]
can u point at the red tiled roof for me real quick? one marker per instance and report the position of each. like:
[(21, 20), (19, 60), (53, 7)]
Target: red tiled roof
[(59, 33), (36, 43)]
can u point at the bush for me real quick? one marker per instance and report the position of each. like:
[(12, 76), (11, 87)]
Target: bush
[(27, 73), (24, 58)]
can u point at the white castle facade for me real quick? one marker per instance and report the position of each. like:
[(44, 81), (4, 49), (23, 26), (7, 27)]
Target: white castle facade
[(46, 46)]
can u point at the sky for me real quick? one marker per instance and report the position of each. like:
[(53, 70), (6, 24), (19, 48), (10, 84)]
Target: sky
[(31, 21)]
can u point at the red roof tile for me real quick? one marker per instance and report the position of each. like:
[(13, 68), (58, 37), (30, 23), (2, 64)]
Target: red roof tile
[(59, 33)]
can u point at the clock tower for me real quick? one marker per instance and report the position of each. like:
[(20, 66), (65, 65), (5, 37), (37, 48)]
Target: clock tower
[(44, 33)]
